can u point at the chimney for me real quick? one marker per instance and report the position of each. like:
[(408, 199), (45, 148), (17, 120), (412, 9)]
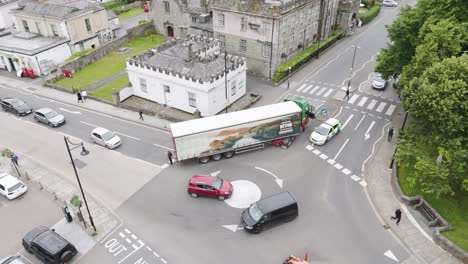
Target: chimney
[(188, 55)]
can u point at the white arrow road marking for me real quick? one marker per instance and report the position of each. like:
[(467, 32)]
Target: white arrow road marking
[(349, 118), (163, 147), (127, 136), (367, 136), (233, 228), (390, 254), (341, 108), (277, 180), (342, 147), (355, 128), (214, 174), (89, 124), (69, 111)]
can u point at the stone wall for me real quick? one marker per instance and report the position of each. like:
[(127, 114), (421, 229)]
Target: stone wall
[(103, 50)]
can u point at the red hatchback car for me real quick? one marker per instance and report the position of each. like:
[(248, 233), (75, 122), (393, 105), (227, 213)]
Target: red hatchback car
[(209, 186)]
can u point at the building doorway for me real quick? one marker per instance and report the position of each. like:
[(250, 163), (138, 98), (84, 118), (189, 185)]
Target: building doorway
[(12, 64), (170, 31)]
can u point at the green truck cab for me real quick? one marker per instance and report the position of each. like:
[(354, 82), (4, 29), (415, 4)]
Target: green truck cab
[(308, 111)]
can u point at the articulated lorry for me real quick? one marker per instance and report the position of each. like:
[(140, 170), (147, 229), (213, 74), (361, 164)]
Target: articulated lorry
[(224, 135)]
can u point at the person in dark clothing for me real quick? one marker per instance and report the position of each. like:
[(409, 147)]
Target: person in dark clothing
[(347, 94), (169, 156), (15, 159), (79, 97), (141, 114), (390, 134), (397, 216)]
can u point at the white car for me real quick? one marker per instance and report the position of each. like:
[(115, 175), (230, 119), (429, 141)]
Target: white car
[(11, 187), (389, 3), (379, 83), (326, 131), (106, 138)]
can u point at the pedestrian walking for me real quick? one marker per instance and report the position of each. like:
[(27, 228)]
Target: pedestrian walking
[(169, 156), (347, 94), (15, 159), (397, 216), (79, 97), (84, 94), (390, 134), (141, 114)]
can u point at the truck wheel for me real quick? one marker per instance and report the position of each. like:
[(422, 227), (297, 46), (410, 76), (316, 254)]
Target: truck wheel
[(204, 160), (228, 154), (216, 157)]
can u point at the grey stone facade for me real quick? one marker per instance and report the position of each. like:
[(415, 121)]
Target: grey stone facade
[(348, 11)]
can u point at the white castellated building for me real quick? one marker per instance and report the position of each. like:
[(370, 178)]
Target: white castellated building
[(188, 74)]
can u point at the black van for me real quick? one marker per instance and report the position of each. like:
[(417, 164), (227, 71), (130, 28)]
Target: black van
[(269, 212)]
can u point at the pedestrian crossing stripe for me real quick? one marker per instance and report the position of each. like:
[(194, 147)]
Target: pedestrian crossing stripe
[(390, 109), (302, 87), (321, 91), (328, 92), (363, 101), (381, 107), (308, 88), (353, 98), (372, 104), (315, 89)]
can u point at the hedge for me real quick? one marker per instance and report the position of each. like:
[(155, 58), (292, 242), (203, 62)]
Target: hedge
[(370, 14), (304, 56), (112, 4)]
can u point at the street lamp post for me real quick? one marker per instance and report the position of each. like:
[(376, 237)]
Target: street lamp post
[(351, 70), (225, 80), (84, 152), (289, 75)]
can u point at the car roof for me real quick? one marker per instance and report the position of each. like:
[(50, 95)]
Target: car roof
[(51, 242), (44, 110), (100, 130), (196, 179), (275, 202), (332, 121), (7, 180), (31, 235)]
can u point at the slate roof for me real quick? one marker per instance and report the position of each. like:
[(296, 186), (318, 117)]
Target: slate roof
[(268, 8), (6, 2), (59, 9)]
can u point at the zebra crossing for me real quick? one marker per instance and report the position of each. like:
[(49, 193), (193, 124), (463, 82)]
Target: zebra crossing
[(360, 100)]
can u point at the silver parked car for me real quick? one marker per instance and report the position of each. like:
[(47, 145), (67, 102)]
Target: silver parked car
[(389, 3), (379, 83), (49, 117), (105, 138)]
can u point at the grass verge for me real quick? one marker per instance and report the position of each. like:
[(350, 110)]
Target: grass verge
[(130, 13), (110, 64), (105, 92)]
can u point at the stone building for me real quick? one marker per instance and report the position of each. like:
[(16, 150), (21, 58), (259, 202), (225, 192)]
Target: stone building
[(6, 19), (188, 74), (347, 14)]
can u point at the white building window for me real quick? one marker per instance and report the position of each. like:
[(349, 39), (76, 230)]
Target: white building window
[(25, 25), (38, 26), (192, 99), (167, 7), (266, 28), (222, 41), (243, 45), (221, 20), (167, 89), (243, 24), (266, 48), (143, 87), (233, 88)]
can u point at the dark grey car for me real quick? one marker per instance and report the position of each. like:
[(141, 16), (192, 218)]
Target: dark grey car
[(49, 117), (48, 246), (16, 106)]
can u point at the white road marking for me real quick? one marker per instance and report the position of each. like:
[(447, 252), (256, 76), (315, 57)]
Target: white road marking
[(134, 237), (373, 147), (363, 101), (122, 134), (356, 127), (390, 254), (367, 135), (156, 254), (321, 91), (214, 174), (233, 228), (316, 152), (353, 99), (328, 92), (149, 163), (309, 147), (165, 165), (165, 262), (323, 156), (331, 161), (128, 241), (307, 89), (363, 183), (36, 124), (302, 87), (277, 180), (128, 231), (339, 151), (355, 178), (121, 235), (315, 89), (349, 118), (17, 118), (414, 222), (89, 124), (390, 110), (341, 108), (75, 138), (148, 248), (25, 258), (381, 107), (346, 171), (163, 147), (372, 104), (338, 166), (70, 111)]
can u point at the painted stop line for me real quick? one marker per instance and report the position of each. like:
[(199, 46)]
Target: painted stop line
[(245, 193)]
